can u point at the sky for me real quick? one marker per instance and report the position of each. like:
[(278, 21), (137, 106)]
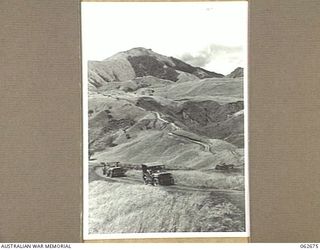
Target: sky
[(212, 35)]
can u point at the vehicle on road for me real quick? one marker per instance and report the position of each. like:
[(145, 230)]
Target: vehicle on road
[(155, 174), (224, 167), (112, 169), (115, 172)]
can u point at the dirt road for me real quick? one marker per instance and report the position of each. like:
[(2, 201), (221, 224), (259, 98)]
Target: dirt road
[(235, 196), (175, 127), (205, 146)]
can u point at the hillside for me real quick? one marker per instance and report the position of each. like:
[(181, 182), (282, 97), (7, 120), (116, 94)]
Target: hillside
[(238, 72), (146, 107), (139, 62), (174, 151), (125, 107), (153, 210)]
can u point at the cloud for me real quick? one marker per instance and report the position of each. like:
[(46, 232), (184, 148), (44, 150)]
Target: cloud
[(199, 60), (213, 52)]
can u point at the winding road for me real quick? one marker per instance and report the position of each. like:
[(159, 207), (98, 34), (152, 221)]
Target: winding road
[(165, 121), (206, 147)]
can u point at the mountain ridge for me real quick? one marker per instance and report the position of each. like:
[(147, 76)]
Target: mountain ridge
[(139, 62)]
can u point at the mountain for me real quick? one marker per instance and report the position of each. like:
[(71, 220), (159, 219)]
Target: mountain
[(140, 62), (143, 104), (145, 107), (238, 72)]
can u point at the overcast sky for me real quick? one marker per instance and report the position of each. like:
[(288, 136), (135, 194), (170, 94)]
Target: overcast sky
[(212, 35)]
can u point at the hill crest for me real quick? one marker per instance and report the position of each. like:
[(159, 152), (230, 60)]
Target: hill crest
[(140, 62)]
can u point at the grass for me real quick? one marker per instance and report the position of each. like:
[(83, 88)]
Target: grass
[(198, 179), (213, 180), (118, 208)]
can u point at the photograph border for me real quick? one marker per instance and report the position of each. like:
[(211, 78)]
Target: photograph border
[(169, 236)]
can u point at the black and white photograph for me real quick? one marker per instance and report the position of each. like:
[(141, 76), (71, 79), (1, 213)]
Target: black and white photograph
[(165, 119)]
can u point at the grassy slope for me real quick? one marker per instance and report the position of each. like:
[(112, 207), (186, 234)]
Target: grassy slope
[(152, 146), (118, 208), (221, 90)]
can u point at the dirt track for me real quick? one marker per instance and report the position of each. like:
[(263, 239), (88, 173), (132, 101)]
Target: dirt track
[(205, 146), (95, 173)]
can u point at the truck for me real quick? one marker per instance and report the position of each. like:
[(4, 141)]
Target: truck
[(113, 170), (155, 174), (116, 172), (224, 167)]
